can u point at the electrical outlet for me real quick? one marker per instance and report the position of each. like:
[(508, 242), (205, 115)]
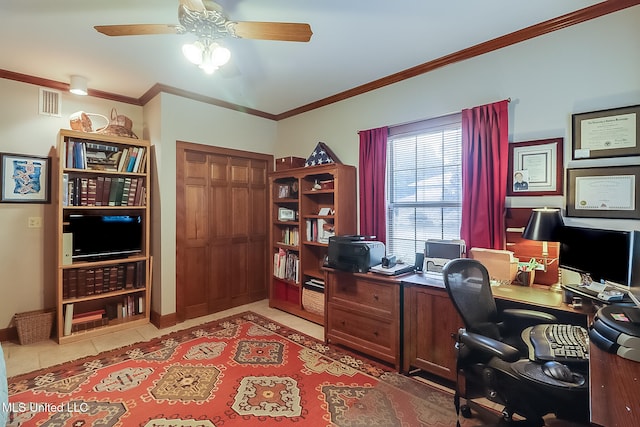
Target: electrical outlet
[(34, 222)]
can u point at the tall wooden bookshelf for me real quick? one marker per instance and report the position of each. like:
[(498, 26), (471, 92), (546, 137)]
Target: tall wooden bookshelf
[(307, 206), (97, 176)]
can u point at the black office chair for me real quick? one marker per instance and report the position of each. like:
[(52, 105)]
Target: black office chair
[(493, 356)]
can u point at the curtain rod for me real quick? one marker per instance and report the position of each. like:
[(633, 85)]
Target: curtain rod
[(445, 115)]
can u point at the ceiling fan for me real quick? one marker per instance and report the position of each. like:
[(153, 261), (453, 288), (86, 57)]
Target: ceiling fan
[(207, 21)]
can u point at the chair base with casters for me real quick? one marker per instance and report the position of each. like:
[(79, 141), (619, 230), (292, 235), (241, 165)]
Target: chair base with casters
[(492, 356), (521, 386)]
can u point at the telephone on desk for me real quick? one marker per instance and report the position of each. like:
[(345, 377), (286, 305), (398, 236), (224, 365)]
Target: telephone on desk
[(602, 291), (607, 292)]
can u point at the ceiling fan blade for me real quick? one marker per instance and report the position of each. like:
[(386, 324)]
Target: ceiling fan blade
[(136, 29), (193, 5), (285, 31)]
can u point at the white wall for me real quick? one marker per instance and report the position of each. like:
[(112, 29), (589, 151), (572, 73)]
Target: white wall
[(27, 255), (591, 66), (181, 119)]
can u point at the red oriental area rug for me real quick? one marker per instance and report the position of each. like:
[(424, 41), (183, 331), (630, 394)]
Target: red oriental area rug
[(242, 370)]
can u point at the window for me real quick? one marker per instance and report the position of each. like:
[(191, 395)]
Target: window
[(424, 184)]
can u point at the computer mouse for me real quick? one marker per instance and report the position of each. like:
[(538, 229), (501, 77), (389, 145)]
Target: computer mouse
[(558, 371)]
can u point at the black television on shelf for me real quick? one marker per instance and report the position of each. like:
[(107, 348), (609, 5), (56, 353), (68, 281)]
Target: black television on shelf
[(608, 255), (105, 236)]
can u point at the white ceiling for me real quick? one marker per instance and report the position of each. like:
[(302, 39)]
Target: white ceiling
[(354, 42)]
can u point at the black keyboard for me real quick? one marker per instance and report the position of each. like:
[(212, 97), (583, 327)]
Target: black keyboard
[(559, 342)]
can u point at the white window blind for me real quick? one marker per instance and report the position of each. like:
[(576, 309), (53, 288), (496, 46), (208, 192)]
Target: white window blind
[(424, 183)]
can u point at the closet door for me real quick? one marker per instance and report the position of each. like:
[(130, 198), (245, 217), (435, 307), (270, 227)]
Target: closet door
[(221, 229)]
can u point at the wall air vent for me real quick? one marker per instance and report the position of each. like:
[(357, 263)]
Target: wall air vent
[(50, 103)]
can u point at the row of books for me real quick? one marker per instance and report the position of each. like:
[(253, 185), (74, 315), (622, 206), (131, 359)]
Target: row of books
[(80, 154), (286, 265), (127, 306), (103, 191), (81, 282), (290, 236), (319, 230)]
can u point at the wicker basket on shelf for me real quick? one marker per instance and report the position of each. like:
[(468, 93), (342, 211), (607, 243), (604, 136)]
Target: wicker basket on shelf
[(313, 301), (34, 326)]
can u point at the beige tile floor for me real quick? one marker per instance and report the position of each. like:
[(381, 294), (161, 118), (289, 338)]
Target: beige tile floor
[(26, 358)]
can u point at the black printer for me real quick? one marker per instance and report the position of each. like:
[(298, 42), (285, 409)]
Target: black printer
[(354, 253)]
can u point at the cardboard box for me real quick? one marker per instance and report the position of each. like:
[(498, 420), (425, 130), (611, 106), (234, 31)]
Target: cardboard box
[(284, 163), (500, 264)]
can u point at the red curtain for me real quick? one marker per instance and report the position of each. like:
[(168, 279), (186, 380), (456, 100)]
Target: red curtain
[(485, 133), (371, 173)]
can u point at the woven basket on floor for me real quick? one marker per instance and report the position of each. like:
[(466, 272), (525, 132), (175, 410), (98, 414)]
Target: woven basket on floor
[(34, 326)]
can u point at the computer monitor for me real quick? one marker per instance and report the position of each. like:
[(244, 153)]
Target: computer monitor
[(608, 255)]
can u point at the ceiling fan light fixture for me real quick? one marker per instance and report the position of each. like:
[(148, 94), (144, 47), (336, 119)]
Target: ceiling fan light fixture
[(206, 54), (78, 85), (220, 55), (193, 52)]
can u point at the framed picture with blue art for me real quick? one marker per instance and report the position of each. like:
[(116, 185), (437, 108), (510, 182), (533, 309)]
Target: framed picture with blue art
[(25, 179)]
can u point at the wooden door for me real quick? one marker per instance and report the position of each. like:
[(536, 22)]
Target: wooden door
[(221, 231)]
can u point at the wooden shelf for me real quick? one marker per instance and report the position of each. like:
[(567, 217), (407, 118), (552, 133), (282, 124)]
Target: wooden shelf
[(132, 279), (286, 294)]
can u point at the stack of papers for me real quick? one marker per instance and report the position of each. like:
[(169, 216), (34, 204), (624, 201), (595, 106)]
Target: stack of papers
[(392, 271)]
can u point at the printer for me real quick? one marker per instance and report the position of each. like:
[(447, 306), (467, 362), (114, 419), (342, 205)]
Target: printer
[(354, 253)]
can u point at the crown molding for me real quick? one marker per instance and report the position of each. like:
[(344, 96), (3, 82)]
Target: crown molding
[(515, 37)]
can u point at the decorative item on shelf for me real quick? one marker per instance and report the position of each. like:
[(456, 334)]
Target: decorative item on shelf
[(81, 121), (119, 125), (326, 184), (294, 189), (287, 190), (544, 225), (285, 214), (321, 155), (285, 163)]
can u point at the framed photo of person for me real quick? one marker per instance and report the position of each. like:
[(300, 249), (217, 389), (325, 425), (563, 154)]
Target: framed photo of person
[(535, 168)]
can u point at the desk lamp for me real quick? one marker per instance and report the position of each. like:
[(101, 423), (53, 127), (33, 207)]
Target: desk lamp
[(544, 225)]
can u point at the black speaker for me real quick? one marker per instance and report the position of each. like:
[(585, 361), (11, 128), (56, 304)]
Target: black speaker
[(419, 264)]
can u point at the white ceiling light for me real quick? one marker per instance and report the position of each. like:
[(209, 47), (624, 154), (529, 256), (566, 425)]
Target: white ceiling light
[(206, 54), (78, 85)]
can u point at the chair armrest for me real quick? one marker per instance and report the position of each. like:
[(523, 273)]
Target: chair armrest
[(531, 317), (489, 345)]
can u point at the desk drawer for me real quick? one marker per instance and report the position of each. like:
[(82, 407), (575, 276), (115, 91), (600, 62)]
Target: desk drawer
[(378, 297), (376, 337)]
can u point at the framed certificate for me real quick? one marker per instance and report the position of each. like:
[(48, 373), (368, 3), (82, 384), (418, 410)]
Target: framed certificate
[(605, 192), (606, 133), (535, 168)]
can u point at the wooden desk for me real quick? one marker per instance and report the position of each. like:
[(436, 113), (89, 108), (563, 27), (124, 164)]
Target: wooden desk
[(614, 389), (431, 322), (370, 312)]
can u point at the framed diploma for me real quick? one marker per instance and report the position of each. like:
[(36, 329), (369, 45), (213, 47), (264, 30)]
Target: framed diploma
[(535, 168), (606, 133), (605, 192)]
